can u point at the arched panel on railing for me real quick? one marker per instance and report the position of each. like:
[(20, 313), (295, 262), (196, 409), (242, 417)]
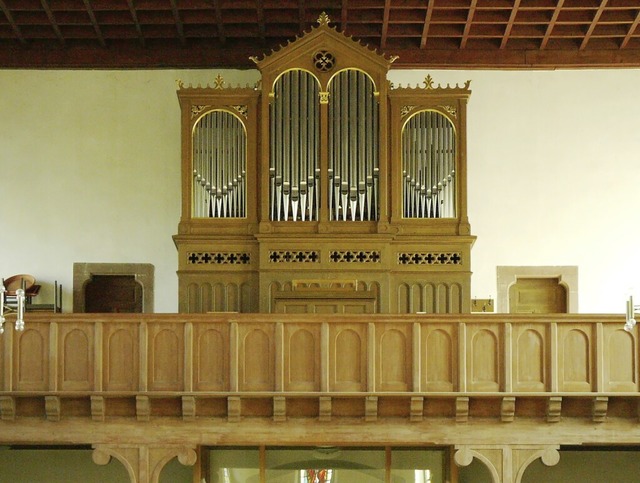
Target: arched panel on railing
[(77, 360), (32, 368), (303, 360), (441, 298), (455, 298), (404, 298), (394, 361), (248, 302), (206, 297), (530, 362), (429, 298), (348, 360), (212, 366), (483, 357), (166, 359), (439, 362), (232, 297), (121, 355), (620, 361), (576, 361), (193, 298), (257, 357)]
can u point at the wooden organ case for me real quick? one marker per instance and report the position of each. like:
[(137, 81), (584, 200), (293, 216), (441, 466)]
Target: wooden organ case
[(324, 188)]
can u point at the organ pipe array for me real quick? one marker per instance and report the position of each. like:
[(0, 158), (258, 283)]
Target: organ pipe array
[(219, 166), (428, 155), (353, 148), (294, 172)]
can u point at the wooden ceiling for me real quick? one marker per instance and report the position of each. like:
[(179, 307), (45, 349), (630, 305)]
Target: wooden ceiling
[(507, 34)]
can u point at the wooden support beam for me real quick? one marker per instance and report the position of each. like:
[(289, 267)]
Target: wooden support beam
[(94, 22), (512, 19), (12, 22), (467, 25), (52, 20), (136, 22), (427, 24), (593, 25)]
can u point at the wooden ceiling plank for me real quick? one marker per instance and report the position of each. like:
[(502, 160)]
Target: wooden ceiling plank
[(261, 26), (301, 15), (632, 29), (12, 22), (551, 25), (344, 15), (94, 22), (219, 22), (593, 25), (385, 24), (52, 20), (467, 25), (179, 25), (512, 19), (136, 22), (427, 23)]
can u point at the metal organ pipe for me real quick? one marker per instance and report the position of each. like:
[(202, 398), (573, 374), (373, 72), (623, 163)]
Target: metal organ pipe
[(219, 166), (428, 159), (353, 151), (294, 150)]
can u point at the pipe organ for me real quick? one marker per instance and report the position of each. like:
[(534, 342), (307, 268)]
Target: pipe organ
[(324, 188)]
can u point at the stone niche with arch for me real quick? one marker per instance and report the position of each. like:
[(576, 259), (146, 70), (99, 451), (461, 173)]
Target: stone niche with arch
[(113, 287)]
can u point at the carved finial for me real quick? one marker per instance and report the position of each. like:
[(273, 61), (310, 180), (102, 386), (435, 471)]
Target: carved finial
[(179, 83), (218, 82), (323, 19), (393, 58), (428, 82)]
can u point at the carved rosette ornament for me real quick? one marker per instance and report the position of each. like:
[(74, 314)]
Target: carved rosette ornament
[(324, 61)]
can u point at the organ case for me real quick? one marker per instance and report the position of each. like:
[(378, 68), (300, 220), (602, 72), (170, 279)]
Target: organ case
[(324, 188)]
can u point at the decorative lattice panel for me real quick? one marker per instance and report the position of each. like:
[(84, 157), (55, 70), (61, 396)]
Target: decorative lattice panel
[(294, 256), (429, 258), (355, 256), (218, 258)]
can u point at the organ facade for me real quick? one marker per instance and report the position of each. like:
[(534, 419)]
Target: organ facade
[(324, 188)]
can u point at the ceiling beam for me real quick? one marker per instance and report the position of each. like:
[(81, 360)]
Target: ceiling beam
[(427, 24), (593, 25), (219, 22), (94, 22), (632, 29), (343, 15), (301, 15), (176, 19), (12, 22), (52, 20), (552, 24), (512, 19), (385, 24), (136, 23), (262, 32), (467, 25)]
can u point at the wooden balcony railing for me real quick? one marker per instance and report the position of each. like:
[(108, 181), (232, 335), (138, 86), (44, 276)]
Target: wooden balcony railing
[(275, 365)]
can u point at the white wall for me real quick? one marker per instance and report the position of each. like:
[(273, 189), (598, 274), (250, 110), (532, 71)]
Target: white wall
[(90, 172)]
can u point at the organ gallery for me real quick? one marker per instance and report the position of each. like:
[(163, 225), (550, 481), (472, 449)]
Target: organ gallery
[(324, 188)]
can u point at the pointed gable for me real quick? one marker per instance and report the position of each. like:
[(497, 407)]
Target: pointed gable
[(324, 49)]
